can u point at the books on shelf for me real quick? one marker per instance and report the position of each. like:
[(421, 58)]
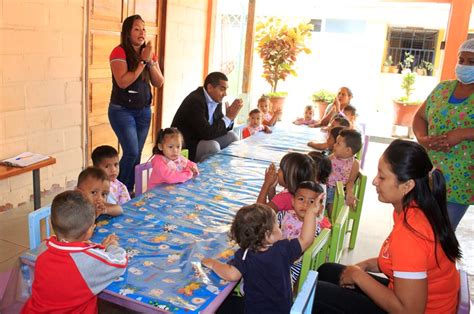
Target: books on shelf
[(24, 159)]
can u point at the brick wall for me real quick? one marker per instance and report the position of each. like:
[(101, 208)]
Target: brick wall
[(41, 89)]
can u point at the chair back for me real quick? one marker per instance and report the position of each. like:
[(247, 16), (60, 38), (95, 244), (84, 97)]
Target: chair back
[(314, 256), (464, 304), (339, 201), (305, 299), (34, 225), (354, 215), (338, 233), (140, 178)]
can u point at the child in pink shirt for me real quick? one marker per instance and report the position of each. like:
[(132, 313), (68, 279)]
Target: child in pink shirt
[(294, 168), (169, 166), (308, 116), (255, 124)]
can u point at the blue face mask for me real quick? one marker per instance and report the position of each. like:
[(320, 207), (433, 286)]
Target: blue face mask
[(465, 73)]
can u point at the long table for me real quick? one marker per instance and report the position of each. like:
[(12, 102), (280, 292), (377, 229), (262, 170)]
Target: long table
[(169, 229)]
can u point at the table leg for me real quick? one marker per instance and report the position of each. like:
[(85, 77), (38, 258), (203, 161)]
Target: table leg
[(36, 189)]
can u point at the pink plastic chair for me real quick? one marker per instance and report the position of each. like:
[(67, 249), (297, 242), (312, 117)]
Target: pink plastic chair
[(139, 178)]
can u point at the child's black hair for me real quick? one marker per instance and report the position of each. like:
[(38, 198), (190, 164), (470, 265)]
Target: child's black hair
[(251, 225), (256, 110), (102, 152), (310, 185), (334, 132), (353, 139), (323, 166), (161, 136), (72, 214), (297, 167), (343, 122), (91, 172)]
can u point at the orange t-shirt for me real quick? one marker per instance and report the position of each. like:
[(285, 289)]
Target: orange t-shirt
[(408, 255)]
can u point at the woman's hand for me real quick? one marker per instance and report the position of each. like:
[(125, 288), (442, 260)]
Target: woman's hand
[(348, 275), (435, 142), (146, 52), (337, 105)]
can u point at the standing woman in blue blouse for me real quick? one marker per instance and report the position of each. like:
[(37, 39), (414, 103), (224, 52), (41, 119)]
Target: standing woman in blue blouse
[(134, 67)]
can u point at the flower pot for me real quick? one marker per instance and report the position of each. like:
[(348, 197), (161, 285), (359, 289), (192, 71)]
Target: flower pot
[(393, 69), (404, 113), (385, 69), (277, 103), (322, 105), (421, 71)]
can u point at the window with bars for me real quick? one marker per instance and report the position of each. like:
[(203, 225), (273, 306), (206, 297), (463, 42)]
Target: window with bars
[(419, 42)]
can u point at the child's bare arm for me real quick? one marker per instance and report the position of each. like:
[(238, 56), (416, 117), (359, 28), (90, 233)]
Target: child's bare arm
[(225, 271), (350, 198), (306, 237), (113, 209), (319, 146)]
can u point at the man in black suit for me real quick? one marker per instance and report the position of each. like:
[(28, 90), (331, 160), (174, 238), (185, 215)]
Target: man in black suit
[(206, 130)]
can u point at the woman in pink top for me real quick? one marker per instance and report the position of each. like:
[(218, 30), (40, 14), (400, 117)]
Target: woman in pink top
[(169, 166)]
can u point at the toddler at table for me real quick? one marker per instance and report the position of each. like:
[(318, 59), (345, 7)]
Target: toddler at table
[(106, 158), (269, 118), (264, 258), (70, 270), (330, 140), (95, 185), (294, 168), (307, 119), (345, 167), (169, 166), (291, 221), (255, 124)]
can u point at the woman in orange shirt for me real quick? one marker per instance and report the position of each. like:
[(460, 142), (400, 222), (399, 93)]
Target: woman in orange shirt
[(419, 255)]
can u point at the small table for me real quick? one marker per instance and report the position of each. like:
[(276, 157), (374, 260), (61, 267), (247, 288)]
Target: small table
[(7, 172)]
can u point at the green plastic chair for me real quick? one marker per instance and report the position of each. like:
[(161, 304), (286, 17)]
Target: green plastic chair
[(354, 215), (339, 201), (338, 233), (315, 255)]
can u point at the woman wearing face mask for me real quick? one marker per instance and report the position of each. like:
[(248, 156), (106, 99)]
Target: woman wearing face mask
[(444, 125)]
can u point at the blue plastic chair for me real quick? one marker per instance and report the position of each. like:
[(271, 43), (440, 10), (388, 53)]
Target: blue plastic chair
[(304, 300), (34, 225)]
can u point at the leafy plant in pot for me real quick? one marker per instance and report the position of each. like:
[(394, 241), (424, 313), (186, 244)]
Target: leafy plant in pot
[(278, 45), (322, 98), (388, 66), (404, 107)]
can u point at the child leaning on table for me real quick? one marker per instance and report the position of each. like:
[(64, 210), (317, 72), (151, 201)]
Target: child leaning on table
[(70, 270), (95, 185), (169, 166), (294, 168), (264, 258), (255, 124), (106, 158), (269, 118), (330, 140), (308, 116), (345, 167)]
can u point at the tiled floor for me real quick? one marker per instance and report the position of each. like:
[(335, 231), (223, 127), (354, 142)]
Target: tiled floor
[(376, 222)]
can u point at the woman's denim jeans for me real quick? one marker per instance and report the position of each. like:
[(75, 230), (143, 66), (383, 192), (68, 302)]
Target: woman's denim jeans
[(131, 127)]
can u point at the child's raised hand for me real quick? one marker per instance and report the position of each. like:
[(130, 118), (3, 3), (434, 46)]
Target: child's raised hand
[(271, 175), (318, 204), (111, 239)]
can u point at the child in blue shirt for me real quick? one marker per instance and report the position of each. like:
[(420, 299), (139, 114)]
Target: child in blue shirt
[(264, 258)]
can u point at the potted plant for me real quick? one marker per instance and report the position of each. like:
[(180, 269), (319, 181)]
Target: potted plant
[(322, 98), (388, 65), (404, 107), (278, 45), (407, 61)]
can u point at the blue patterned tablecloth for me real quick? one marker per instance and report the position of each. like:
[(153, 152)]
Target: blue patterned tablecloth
[(168, 230), (272, 147)]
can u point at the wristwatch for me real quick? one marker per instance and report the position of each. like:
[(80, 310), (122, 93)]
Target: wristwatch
[(144, 62)]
